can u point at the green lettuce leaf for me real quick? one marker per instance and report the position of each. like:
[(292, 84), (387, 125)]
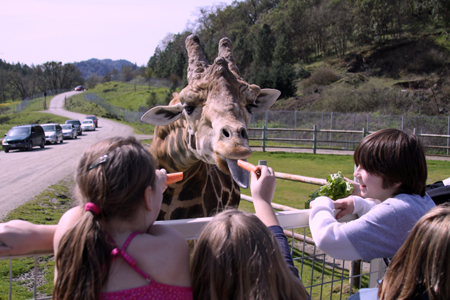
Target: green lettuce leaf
[(336, 188)]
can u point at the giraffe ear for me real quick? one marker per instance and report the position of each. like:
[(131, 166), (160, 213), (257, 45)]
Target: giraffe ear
[(163, 115), (266, 99)]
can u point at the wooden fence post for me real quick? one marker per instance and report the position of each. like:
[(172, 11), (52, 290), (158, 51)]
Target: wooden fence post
[(315, 139), (264, 138)]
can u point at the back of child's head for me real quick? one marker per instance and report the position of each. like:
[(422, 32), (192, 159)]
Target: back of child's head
[(111, 176), (421, 267), (237, 257), (396, 157)]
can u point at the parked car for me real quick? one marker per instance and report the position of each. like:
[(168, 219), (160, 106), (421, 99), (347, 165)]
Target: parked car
[(69, 131), (93, 118), (76, 124), (53, 133), (24, 137), (79, 88), (87, 124)]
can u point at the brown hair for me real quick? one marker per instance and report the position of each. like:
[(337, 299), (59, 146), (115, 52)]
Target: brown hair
[(237, 257), (396, 157), (116, 184), (422, 264)]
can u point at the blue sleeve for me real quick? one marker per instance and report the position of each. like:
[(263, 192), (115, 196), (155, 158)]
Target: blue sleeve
[(282, 241)]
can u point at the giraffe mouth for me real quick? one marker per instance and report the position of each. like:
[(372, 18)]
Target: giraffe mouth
[(240, 176)]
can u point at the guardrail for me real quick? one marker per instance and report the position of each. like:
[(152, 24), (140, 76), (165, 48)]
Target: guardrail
[(323, 277)]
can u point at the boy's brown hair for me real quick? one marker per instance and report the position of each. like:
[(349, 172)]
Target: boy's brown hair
[(396, 157)]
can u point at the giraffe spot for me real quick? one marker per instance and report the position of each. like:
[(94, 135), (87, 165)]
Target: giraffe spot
[(191, 192), (187, 212)]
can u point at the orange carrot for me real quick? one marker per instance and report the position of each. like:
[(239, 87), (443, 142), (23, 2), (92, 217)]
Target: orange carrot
[(246, 165), (249, 167), (174, 177)]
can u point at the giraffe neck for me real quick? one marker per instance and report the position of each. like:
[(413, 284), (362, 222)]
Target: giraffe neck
[(170, 148)]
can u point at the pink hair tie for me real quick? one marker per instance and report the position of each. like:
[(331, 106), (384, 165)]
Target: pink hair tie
[(92, 207)]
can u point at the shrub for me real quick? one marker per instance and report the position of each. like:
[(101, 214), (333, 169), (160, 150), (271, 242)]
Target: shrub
[(322, 76)]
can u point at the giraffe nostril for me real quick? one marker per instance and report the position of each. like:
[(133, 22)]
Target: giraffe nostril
[(243, 133), (225, 133)]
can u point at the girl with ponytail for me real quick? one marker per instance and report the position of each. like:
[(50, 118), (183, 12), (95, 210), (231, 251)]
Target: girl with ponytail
[(108, 246)]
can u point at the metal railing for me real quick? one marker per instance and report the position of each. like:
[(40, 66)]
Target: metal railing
[(323, 277)]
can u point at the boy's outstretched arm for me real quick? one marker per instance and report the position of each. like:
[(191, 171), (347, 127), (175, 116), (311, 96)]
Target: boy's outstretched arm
[(21, 237), (328, 233)]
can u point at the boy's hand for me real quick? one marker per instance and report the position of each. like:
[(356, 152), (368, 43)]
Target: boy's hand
[(356, 188), (346, 205)]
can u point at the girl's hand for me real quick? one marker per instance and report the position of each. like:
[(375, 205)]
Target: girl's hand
[(263, 189), (346, 205), (263, 186), (161, 177)]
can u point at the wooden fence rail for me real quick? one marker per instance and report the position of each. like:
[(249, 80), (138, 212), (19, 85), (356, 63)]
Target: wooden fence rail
[(314, 140)]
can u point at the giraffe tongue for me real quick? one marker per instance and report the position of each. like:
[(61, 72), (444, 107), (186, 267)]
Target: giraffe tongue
[(239, 175)]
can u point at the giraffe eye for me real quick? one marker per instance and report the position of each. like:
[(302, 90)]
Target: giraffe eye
[(189, 109), (249, 107)]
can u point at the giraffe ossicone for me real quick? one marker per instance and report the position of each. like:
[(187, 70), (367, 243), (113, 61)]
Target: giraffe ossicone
[(203, 132)]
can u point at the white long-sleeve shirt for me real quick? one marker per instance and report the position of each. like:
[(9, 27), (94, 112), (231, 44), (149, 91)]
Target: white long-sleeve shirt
[(379, 232)]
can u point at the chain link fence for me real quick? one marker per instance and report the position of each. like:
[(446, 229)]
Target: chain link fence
[(126, 115), (329, 121), (26, 101)]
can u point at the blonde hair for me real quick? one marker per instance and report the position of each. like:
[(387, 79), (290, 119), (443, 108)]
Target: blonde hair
[(422, 264), (113, 174), (237, 257)]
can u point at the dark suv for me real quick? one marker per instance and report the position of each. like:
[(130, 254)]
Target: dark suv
[(24, 137), (76, 124)]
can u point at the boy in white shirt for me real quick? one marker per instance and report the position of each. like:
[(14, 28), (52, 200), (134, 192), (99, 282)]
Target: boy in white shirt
[(392, 168)]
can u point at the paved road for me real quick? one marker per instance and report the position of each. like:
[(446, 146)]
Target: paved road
[(27, 173)]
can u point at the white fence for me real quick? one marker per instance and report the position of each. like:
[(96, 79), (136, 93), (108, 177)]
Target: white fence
[(323, 277)]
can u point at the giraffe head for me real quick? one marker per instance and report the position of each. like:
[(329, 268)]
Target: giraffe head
[(216, 105)]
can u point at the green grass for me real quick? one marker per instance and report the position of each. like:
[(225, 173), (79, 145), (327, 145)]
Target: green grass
[(77, 104), (45, 208), (129, 96)]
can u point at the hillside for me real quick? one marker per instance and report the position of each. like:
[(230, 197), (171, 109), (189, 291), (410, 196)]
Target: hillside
[(387, 57), (101, 67), (402, 76)]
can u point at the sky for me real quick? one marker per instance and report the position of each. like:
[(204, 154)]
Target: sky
[(38, 31)]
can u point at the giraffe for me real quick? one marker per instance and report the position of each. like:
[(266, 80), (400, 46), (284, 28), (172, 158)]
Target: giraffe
[(203, 131)]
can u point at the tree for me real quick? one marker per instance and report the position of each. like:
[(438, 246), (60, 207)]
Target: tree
[(71, 77), (127, 73), (92, 81)]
